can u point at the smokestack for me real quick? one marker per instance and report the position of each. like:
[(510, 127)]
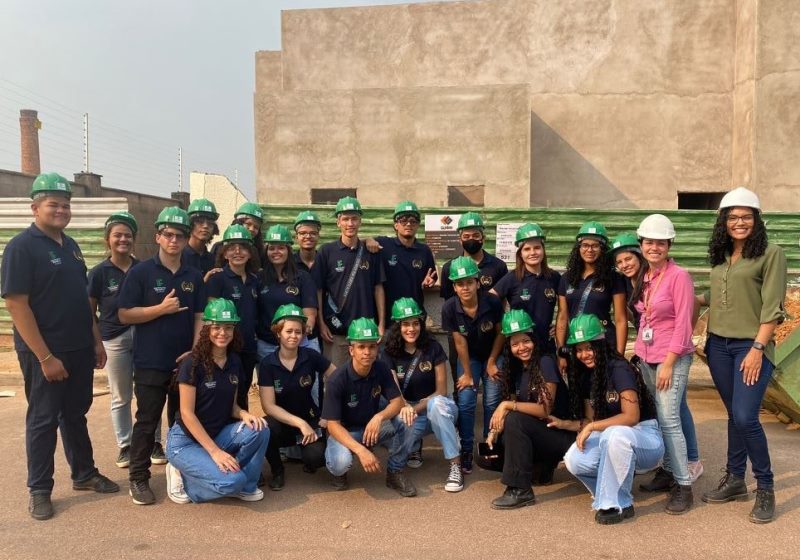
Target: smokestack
[(29, 126)]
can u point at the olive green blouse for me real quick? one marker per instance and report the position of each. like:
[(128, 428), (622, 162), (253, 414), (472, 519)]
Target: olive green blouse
[(747, 293)]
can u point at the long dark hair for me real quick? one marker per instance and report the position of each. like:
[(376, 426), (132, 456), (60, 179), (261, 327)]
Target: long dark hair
[(519, 272), (513, 367), (202, 355), (258, 242), (252, 265), (604, 353), (721, 243), (604, 266), (395, 345), (269, 275)]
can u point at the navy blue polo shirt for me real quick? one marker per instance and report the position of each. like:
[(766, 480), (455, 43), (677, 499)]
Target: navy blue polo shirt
[(105, 280), (620, 377), (492, 270), (422, 383), (353, 400), (53, 277), (216, 393), (159, 342), (301, 292), (294, 390), (201, 261), (227, 284), (598, 303), (537, 295), (331, 271), (299, 262), (480, 332), (406, 268), (547, 366)]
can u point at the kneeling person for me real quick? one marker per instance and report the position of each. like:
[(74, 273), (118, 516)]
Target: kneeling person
[(352, 409)]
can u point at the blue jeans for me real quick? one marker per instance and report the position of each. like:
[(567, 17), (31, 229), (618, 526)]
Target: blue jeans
[(689, 431), (202, 478), (339, 459), (609, 459), (746, 437), (119, 367), (467, 400), (668, 408), (440, 419)]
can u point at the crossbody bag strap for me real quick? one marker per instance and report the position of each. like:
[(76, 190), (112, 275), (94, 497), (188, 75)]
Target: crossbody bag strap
[(585, 296), (352, 278), (412, 367)]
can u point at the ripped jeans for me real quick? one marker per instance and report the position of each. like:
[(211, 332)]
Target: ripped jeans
[(440, 419)]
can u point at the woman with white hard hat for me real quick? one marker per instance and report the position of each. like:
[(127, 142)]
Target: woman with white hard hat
[(664, 347), (745, 299)]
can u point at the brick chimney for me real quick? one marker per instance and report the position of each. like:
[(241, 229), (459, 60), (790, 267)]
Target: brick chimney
[(29, 142)]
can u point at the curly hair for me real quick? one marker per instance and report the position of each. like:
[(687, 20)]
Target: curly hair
[(519, 271), (202, 355), (604, 267), (513, 369), (604, 354), (252, 265), (395, 345), (721, 243)]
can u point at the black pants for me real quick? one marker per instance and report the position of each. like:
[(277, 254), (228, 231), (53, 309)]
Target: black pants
[(249, 362), (150, 387), (529, 441), (283, 435), (58, 405)]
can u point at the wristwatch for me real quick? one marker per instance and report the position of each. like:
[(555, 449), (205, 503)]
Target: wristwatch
[(563, 352), (758, 346)]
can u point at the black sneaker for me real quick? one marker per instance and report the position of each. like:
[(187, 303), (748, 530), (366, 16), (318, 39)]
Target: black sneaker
[(141, 493), (400, 482), (730, 487), (339, 483), (40, 507), (262, 481), (277, 482), (764, 508), (98, 483), (662, 482), (414, 459), (680, 500), (124, 457), (157, 456), (613, 516), (466, 462), (309, 469), (514, 498)]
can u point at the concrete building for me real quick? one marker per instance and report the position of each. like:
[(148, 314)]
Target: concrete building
[(221, 191), (588, 103)]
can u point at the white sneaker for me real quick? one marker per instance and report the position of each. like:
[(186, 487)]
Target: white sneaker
[(175, 489), (455, 480), (695, 470), (256, 496)]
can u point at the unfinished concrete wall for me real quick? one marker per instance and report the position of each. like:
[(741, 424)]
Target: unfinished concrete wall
[(219, 190)]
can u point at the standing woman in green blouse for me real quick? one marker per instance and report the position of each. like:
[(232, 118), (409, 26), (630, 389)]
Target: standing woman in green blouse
[(748, 284)]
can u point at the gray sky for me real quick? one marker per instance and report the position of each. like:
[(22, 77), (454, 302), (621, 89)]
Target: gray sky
[(153, 75)]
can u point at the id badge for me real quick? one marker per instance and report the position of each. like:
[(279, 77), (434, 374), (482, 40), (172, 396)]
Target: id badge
[(647, 335)]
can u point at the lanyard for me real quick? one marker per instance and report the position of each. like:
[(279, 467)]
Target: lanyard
[(650, 294)]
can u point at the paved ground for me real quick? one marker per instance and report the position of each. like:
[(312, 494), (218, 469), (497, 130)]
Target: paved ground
[(309, 520)]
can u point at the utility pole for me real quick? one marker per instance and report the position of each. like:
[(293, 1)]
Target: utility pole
[(180, 169), (86, 142)]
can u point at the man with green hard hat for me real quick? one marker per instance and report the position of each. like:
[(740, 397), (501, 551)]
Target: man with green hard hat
[(356, 420), (307, 226), (164, 298), (57, 341), (203, 217)]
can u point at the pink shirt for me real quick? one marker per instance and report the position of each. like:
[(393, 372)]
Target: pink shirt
[(670, 316)]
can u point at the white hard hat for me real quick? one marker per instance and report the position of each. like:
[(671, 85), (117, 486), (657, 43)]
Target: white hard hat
[(740, 196), (656, 226)]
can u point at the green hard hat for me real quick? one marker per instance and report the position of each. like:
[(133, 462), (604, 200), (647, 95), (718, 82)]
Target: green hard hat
[(125, 218), (236, 233), (173, 216), (626, 241), (528, 231), (585, 328), (49, 184), (250, 209), (470, 220), (307, 217), (202, 206), (289, 311), (405, 308), (363, 330), (593, 228), (406, 207), (516, 321), (221, 311), (278, 235), (347, 204), (463, 267)]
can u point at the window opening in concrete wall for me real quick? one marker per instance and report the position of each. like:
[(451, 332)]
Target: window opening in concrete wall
[(330, 196), (465, 195), (699, 200)]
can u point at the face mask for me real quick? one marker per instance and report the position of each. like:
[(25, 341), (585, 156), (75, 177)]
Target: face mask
[(472, 246)]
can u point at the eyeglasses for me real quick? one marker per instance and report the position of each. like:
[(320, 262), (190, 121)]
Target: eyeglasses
[(236, 248), (589, 246), (225, 328), (407, 220), (307, 234), (746, 219), (169, 236)]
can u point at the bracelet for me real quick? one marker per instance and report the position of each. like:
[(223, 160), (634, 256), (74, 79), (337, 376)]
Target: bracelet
[(43, 360)]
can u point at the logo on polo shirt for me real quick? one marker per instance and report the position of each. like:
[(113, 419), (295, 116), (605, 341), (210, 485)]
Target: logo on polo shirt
[(54, 259), (416, 263), (525, 295), (599, 289), (233, 378), (364, 265), (159, 288), (486, 280), (187, 287), (278, 386), (292, 290), (401, 372), (265, 290), (487, 326), (612, 396), (253, 293), (113, 285), (339, 266), (77, 255), (305, 381), (462, 329), (570, 289), (393, 260), (236, 293), (376, 390), (550, 294), (311, 413), (353, 402), (425, 366), (210, 384)]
